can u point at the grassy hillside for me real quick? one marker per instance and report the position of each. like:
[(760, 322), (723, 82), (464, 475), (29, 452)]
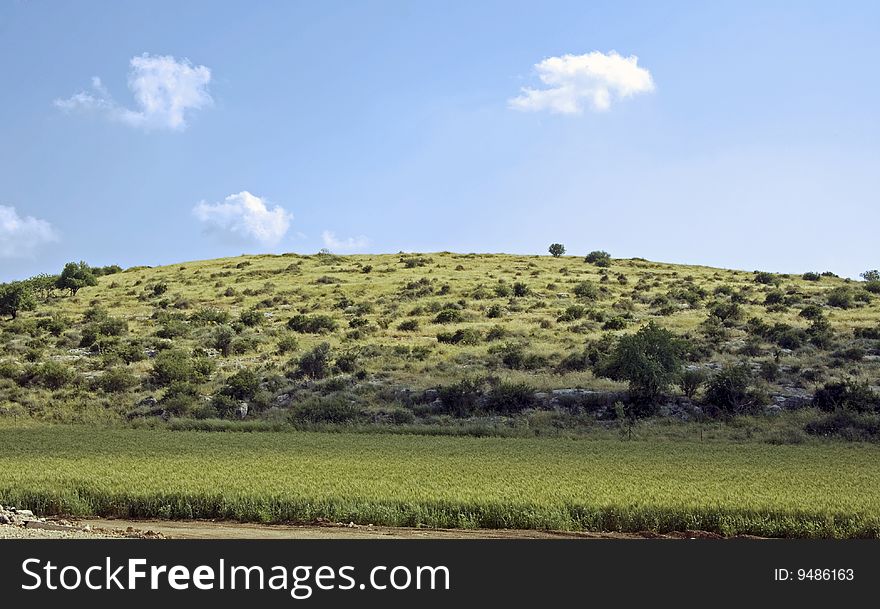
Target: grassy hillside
[(410, 322)]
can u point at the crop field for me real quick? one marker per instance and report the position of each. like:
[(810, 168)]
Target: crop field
[(814, 490)]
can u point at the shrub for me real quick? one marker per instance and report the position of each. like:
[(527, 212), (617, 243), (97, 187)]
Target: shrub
[(811, 311), (287, 344), (53, 375), (767, 278), (691, 380), (209, 316), (409, 325), (447, 316), (460, 399), (242, 386), (846, 395), (221, 339), (573, 313), (727, 312), (251, 318), (873, 287), (334, 409), (586, 290), (872, 275), (615, 323), (117, 380), (599, 258), (729, 390), (649, 361), (502, 290), (811, 276), (847, 426), (346, 362), (463, 336), (180, 398), (556, 250), (520, 289), (176, 365), (840, 297), (315, 363), (514, 357), (314, 324), (510, 398), (774, 297), (495, 311)]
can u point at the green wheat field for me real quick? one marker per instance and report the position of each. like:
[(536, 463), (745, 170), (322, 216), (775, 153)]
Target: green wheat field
[(816, 490)]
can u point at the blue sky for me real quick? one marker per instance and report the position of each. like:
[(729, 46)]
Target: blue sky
[(744, 135)]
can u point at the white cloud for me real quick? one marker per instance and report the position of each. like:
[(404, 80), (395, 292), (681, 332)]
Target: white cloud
[(20, 236), (246, 218), (575, 80), (343, 245), (164, 90)]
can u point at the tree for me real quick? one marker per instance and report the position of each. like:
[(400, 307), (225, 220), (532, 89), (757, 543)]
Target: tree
[(43, 285), (76, 275), (873, 275), (599, 258), (15, 297), (557, 250), (649, 360)]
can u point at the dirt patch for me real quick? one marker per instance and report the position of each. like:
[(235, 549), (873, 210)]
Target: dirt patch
[(201, 529)]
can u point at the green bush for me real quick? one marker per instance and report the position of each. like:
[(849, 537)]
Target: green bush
[(447, 316), (846, 395), (520, 289), (117, 380), (242, 386), (460, 399), (810, 276), (586, 290), (333, 409), (52, 375), (767, 278), (649, 361), (729, 391), (312, 324), (846, 425), (178, 366), (510, 398), (464, 336), (691, 380), (181, 398), (409, 325), (599, 258), (252, 318), (315, 363), (841, 298)]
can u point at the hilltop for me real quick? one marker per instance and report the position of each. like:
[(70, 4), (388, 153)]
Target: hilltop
[(404, 337)]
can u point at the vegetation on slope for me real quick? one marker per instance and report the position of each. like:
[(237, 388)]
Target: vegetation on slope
[(435, 338)]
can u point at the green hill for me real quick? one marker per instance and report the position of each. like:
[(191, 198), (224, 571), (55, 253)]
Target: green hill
[(328, 338)]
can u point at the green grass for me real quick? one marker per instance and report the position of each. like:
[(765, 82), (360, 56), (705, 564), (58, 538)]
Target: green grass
[(812, 490)]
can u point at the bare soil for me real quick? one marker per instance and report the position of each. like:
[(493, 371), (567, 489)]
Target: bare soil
[(201, 529)]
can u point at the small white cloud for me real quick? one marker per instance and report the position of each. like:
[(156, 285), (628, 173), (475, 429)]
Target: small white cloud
[(246, 218), (20, 236), (164, 89), (575, 80), (343, 245)]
